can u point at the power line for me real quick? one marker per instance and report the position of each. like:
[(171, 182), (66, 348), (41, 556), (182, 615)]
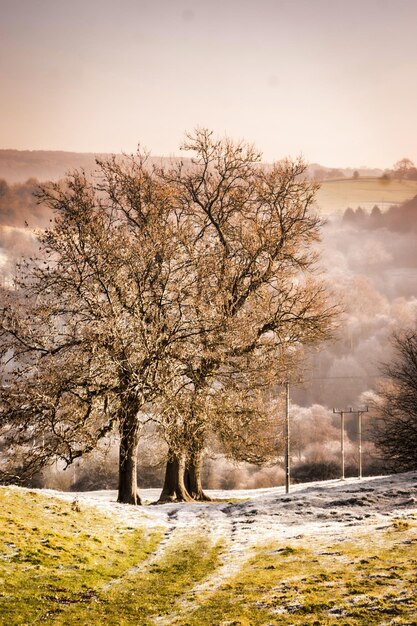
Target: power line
[(307, 380)]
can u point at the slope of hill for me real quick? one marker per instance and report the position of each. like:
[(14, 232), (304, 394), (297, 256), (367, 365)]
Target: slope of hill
[(324, 552), (334, 196), (20, 165), (17, 166)]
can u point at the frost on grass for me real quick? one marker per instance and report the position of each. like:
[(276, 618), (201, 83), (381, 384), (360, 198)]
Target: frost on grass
[(323, 552)]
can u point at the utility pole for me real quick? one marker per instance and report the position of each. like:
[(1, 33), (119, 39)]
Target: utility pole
[(287, 436), (360, 412), (342, 412)]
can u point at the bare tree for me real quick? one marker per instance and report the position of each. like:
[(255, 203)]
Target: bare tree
[(396, 431), (88, 327), (403, 167), (256, 297)]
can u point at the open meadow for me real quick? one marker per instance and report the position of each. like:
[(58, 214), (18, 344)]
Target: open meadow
[(337, 552), (334, 196)]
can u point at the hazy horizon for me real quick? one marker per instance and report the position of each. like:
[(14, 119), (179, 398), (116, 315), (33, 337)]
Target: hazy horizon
[(331, 80), (179, 154)]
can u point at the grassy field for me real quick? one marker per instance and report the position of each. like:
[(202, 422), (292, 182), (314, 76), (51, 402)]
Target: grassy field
[(335, 196), (367, 579), (60, 565), (65, 564)]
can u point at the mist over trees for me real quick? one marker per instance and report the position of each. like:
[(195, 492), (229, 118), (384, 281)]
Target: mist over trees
[(177, 296), (373, 270), (18, 208)]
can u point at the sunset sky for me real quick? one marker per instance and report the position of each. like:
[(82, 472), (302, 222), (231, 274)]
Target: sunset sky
[(333, 80)]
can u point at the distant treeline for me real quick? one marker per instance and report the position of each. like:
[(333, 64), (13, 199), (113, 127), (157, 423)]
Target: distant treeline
[(401, 218)]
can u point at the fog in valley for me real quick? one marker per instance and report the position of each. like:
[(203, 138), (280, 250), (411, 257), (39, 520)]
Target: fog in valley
[(371, 265)]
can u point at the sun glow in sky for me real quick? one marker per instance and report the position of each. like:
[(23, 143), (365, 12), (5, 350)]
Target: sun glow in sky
[(333, 80)]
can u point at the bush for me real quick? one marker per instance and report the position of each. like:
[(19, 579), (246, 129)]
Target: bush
[(319, 470)]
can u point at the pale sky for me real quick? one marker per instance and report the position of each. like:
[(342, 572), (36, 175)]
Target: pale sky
[(335, 81)]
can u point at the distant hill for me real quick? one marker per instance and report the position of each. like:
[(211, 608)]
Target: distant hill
[(334, 196), (319, 172), (17, 166)]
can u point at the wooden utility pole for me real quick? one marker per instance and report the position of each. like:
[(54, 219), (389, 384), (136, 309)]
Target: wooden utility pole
[(360, 412), (287, 437), (342, 412)]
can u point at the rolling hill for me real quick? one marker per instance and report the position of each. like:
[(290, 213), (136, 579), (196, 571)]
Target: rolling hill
[(334, 196)]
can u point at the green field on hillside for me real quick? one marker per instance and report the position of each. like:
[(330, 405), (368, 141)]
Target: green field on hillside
[(334, 196), (65, 564)]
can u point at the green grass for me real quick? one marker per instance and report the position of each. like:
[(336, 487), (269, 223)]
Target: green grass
[(334, 196), (71, 567), (368, 579), (62, 566)]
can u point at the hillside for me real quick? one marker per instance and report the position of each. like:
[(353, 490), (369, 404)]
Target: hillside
[(334, 196), (17, 166), (326, 551)]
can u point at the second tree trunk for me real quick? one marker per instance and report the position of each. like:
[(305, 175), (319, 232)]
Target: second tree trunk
[(192, 477), (174, 489)]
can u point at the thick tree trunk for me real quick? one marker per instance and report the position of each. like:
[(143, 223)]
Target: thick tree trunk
[(192, 477), (129, 441), (174, 489)]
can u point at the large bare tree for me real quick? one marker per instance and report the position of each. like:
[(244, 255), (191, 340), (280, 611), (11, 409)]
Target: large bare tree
[(91, 321), (256, 297)]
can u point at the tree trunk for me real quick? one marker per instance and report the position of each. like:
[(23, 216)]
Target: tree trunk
[(174, 489), (192, 477), (129, 441)]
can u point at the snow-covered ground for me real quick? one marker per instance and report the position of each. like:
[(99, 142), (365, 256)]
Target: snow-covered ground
[(328, 504), (324, 511)]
